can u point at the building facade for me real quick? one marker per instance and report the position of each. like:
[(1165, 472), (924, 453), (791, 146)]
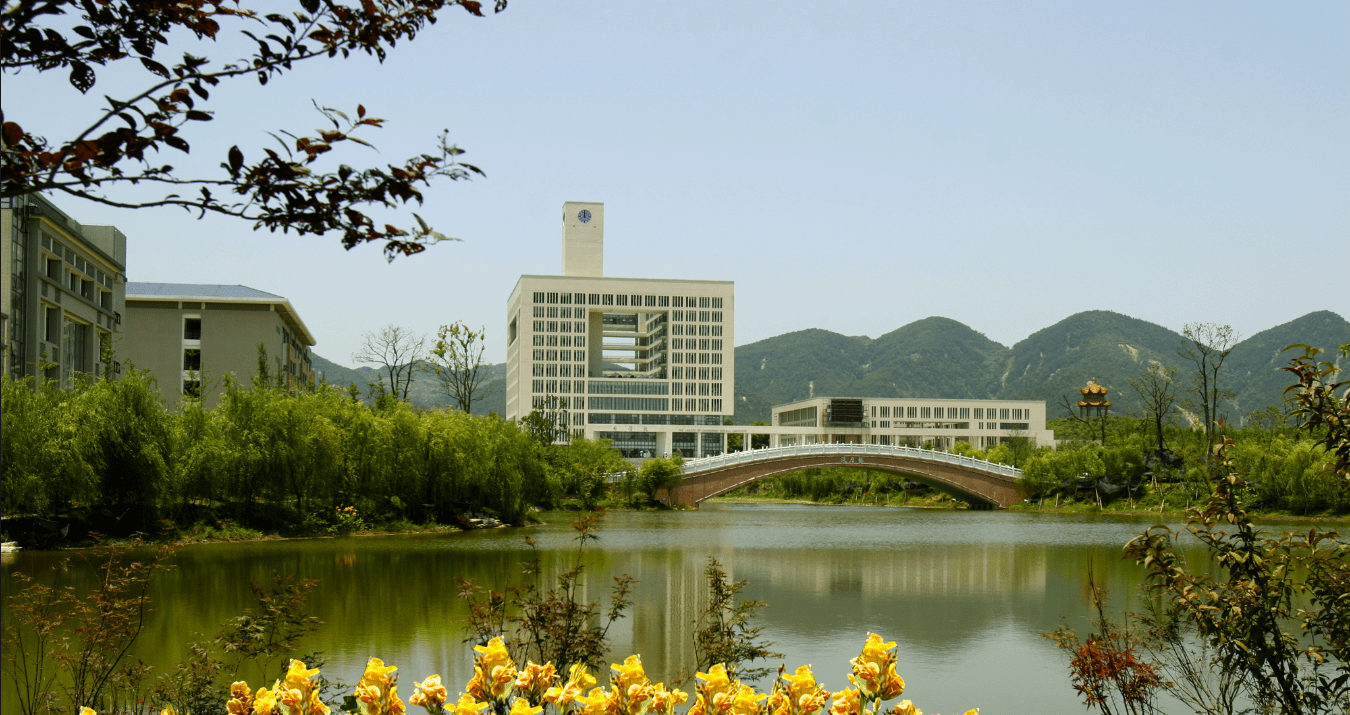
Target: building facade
[(61, 293), (910, 422), (642, 362), (189, 336)]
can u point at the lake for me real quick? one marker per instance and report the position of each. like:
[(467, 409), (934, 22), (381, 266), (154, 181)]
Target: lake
[(966, 594)]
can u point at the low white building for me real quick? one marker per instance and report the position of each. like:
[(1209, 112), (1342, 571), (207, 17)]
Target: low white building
[(908, 421)]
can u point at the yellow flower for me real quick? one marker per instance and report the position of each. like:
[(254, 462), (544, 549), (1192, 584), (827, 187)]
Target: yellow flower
[(497, 670), (377, 673), (716, 694), (297, 672), (747, 701), (798, 694), (523, 707), (429, 694), (239, 690), (168, 710), (265, 702), (874, 670), (577, 682), (664, 701), (87, 711), (598, 702), (847, 702), (467, 705), (631, 688)]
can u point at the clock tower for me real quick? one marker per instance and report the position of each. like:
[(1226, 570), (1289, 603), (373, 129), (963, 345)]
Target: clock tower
[(583, 249)]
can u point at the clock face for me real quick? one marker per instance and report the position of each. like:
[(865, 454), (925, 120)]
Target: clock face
[(584, 216)]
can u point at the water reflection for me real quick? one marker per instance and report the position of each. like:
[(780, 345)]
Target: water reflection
[(965, 593)]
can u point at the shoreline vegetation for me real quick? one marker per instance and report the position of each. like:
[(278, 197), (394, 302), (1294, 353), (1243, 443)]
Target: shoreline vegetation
[(106, 459)]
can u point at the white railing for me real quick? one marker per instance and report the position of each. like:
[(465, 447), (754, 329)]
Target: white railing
[(878, 450)]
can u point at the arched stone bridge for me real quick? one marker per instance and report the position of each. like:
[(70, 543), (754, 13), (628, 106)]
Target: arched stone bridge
[(983, 485)]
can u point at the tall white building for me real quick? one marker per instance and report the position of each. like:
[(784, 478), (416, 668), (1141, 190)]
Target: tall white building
[(643, 362)]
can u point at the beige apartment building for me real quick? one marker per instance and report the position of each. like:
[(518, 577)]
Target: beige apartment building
[(61, 293), (647, 363), (907, 421), (189, 336)]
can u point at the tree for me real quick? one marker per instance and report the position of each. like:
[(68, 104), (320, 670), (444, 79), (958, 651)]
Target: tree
[(725, 632), (393, 350), (660, 473), (1207, 345), (1158, 391), (547, 423), (116, 158), (457, 361)]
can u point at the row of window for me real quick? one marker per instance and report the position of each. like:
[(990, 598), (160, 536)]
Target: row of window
[(554, 370), (560, 355), (951, 413), (649, 301), (554, 341), (696, 358), (693, 344), (695, 330), (559, 326), (602, 418)]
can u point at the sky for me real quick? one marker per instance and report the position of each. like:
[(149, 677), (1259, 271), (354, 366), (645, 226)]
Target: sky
[(850, 166)]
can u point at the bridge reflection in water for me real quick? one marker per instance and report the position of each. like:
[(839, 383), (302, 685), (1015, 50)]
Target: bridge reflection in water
[(980, 483)]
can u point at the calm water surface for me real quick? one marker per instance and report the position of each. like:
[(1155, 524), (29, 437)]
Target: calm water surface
[(964, 593)]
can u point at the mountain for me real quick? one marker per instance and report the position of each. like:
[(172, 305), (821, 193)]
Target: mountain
[(1252, 369), (939, 357), (1100, 344), (425, 391)]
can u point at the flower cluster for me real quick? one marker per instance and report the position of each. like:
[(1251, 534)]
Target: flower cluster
[(630, 691)]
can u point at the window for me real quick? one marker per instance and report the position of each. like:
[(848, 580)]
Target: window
[(538, 311), (553, 297), (677, 330), (622, 299), (716, 389), (704, 406), (608, 299), (716, 405), (53, 268), (717, 373), (538, 369), (885, 411), (538, 354), (551, 341), (566, 298), (538, 297), (649, 301), (925, 412), (716, 344), (637, 301), (677, 343), (717, 316), (578, 327), (704, 330), (539, 341), (580, 343), (717, 358), (717, 330), (704, 316), (664, 301), (717, 302), (594, 298), (702, 373), (912, 412), (538, 385), (704, 302), (677, 315), (550, 354), (192, 328), (192, 389), (550, 370), (1003, 413), (979, 413), (538, 326), (192, 360), (51, 325)]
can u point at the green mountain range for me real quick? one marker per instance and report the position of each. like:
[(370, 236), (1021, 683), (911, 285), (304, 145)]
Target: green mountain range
[(942, 358)]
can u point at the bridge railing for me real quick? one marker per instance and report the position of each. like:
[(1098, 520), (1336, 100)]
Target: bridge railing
[(722, 461)]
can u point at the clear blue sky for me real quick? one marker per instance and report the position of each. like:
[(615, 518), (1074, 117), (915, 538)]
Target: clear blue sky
[(851, 166)]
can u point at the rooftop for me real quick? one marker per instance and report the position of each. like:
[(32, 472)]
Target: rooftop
[(197, 290)]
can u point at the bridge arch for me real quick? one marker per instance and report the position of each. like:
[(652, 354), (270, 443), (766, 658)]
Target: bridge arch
[(977, 482)]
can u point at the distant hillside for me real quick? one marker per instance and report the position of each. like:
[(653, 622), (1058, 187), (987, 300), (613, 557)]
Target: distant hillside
[(939, 357), (1110, 347), (425, 391)]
